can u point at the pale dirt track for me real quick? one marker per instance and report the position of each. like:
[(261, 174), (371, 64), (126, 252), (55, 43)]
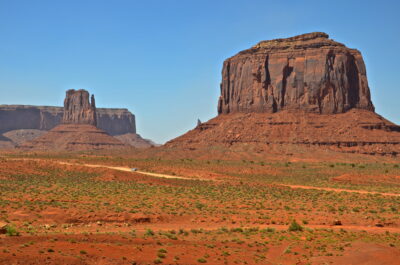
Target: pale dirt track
[(338, 190), (126, 169)]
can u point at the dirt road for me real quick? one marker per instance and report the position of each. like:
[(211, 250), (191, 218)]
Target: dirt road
[(337, 190), (126, 169)]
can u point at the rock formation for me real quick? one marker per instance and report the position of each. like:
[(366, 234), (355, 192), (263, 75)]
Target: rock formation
[(309, 72), (116, 121), (78, 109), (20, 123), (288, 94), (78, 129), (17, 117)]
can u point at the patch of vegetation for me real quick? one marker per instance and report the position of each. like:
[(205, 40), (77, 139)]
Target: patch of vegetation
[(295, 227)]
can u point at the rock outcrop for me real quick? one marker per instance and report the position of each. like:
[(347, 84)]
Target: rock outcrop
[(78, 109), (18, 117), (78, 129), (309, 72), (294, 94), (116, 121)]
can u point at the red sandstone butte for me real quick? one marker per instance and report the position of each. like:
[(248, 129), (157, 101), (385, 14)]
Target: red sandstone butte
[(309, 72)]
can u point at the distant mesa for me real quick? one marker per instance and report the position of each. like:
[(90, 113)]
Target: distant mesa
[(294, 93), (78, 130), (21, 125)]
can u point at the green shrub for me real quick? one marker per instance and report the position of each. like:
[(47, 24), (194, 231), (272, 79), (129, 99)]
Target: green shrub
[(11, 231), (149, 232), (157, 261), (294, 226), (161, 255)]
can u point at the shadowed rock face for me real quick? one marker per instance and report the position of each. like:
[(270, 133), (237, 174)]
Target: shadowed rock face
[(78, 109), (17, 117), (308, 72)]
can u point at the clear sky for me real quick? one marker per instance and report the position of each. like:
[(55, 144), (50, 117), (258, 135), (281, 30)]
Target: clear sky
[(162, 59)]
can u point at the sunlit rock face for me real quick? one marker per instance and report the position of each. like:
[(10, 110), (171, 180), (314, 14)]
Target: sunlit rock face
[(308, 72), (78, 109)]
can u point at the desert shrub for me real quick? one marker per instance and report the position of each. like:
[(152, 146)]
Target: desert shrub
[(157, 261), (149, 232), (11, 231), (294, 226)]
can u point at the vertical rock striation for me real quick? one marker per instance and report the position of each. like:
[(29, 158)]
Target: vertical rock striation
[(17, 117), (78, 109), (309, 72), (289, 95), (78, 130)]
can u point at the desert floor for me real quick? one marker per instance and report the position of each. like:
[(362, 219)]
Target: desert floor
[(92, 209)]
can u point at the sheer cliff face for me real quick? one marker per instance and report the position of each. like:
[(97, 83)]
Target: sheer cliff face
[(78, 109), (116, 121), (16, 117), (308, 72)]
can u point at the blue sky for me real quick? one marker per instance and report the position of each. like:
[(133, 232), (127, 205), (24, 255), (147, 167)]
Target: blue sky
[(162, 59)]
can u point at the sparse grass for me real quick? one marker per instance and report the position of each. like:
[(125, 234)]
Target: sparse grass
[(251, 213)]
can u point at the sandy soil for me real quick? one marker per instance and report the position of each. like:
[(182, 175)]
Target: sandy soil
[(95, 212)]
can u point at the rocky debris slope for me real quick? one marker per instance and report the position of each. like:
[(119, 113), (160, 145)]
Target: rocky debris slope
[(135, 140), (73, 137), (19, 136), (295, 93), (309, 72), (78, 130), (356, 131)]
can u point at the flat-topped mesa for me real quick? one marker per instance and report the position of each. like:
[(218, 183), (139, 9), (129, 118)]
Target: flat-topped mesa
[(78, 109), (309, 72), (308, 40)]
